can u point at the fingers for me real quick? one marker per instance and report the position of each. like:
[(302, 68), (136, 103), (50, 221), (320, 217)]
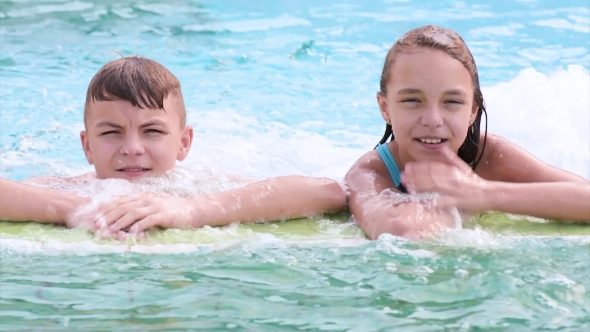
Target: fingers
[(142, 225), (425, 177), (110, 219), (123, 236), (450, 158), (131, 217), (114, 210)]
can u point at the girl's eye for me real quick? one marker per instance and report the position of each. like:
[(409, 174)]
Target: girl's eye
[(454, 102)]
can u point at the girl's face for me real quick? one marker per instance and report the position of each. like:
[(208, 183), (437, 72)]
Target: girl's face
[(429, 103)]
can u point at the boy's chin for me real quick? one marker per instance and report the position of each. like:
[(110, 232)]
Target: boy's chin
[(127, 175)]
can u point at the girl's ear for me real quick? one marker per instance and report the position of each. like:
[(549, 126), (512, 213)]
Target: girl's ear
[(474, 110), (382, 102)]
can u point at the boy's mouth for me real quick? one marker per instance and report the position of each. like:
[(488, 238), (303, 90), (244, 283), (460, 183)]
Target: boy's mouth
[(134, 171)]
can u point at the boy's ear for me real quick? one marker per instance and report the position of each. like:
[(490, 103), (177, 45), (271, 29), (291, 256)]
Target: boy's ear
[(86, 146), (186, 139), (382, 102)]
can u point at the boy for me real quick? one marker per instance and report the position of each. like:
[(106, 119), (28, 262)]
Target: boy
[(135, 122)]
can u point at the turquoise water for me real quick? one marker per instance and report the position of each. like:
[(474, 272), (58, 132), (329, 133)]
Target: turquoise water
[(288, 87)]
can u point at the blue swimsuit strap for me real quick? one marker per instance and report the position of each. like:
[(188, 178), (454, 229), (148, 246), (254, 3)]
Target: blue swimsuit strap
[(387, 158)]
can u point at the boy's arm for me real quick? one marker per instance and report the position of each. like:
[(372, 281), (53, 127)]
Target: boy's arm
[(286, 197), (63, 182), (21, 202)]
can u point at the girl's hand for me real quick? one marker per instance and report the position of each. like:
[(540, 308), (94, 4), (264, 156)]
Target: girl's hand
[(401, 215), (452, 178)]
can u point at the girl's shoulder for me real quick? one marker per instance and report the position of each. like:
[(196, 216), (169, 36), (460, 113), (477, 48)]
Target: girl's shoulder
[(503, 160)]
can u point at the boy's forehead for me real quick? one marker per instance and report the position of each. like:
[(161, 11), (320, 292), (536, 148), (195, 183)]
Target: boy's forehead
[(123, 110)]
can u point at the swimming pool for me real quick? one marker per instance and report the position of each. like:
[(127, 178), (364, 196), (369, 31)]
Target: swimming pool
[(285, 87)]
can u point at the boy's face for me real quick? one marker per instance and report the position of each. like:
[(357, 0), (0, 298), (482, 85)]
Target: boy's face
[(128, 142)]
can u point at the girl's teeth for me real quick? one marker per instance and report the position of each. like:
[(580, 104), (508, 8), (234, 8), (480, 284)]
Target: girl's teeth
[(430, 140)]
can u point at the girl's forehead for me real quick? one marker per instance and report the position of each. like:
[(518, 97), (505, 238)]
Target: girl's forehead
[(428, 67), (423, 57)]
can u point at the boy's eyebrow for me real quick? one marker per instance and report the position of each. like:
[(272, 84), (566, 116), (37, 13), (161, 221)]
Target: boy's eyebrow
[(153, 123), (107, 123)]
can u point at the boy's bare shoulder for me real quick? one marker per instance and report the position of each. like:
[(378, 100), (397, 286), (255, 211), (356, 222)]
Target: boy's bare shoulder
[(59, 182)]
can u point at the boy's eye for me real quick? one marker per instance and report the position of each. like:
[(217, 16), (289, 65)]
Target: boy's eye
[(154, 131), (109, 132), (410, 100)]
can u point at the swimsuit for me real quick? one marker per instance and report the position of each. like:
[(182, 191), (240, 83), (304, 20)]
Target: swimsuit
[(387, 158)]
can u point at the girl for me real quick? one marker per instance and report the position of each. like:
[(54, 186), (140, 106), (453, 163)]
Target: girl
[(432, 103)]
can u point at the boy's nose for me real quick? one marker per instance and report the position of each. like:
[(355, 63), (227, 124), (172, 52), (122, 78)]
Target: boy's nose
[(132, 146)]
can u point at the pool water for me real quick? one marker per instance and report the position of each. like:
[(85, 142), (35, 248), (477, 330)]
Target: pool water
[(288, 87)]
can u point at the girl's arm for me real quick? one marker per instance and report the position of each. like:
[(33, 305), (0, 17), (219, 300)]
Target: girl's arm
[(21, 202), (508, 180), (523, 184), (379, 208), (548, 200)]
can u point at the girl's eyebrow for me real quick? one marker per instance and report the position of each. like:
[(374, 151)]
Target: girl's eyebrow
[(408, 91), (412, 91), (455, 92)]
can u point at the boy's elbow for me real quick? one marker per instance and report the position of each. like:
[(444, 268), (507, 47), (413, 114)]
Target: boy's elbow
[(335, 194), (330, 194)]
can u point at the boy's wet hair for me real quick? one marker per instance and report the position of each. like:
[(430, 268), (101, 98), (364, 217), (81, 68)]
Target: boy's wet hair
[(451, 43), (143, 82)]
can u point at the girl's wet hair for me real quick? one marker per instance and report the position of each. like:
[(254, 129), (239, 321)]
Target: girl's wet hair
[(451, 43), (143, 82)]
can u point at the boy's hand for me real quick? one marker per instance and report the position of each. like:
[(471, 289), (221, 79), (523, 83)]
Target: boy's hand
[(140, 212), (81, 213)]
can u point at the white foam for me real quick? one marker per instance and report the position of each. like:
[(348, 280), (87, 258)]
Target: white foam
[(548, 115)]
